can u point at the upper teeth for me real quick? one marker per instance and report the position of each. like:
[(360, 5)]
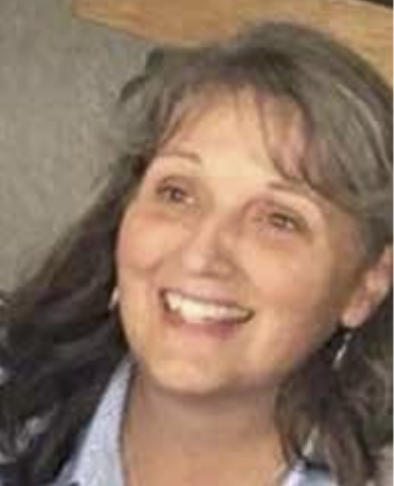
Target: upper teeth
[(196, 310)]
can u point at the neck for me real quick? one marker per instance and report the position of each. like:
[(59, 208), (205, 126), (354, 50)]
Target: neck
[(198, 440)]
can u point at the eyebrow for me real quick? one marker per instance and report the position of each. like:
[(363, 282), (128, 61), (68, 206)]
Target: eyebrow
[(184, 154), (301, 192)]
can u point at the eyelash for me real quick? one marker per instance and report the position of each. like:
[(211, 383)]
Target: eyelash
[(283, 222), (173, 194)]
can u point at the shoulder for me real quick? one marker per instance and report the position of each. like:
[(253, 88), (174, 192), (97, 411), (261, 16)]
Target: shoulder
[(303, 475), (96, 460), (319, 478)]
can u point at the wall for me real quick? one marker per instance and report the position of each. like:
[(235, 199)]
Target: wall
[(59, 78)]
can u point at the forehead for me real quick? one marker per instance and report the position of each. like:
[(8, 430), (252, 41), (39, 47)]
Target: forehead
[(246, 128), (227, 140)]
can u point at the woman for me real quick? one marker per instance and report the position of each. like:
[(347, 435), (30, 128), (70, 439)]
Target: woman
[(222, 316)]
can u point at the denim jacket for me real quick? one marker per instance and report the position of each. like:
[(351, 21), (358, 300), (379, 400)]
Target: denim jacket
[(97, 461)]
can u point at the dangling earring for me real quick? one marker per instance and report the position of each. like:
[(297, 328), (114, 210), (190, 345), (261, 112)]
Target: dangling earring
[(342, 350), (114, 299)]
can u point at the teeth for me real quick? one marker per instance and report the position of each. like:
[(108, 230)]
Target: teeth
[(197, 311)]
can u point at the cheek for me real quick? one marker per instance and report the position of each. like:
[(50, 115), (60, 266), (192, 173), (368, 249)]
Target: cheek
[(297, 311), (144, 241), (300, 286)]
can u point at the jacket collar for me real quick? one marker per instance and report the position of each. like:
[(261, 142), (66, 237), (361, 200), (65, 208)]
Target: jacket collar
[(97, 460)]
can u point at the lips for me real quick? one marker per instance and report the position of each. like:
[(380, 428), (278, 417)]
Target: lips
[(204, 313)]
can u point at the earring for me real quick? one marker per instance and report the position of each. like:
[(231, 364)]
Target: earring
[(342, 350), (114, 299)]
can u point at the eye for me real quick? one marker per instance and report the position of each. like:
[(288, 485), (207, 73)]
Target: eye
[(279, 221), (174, 193), (285, 222)]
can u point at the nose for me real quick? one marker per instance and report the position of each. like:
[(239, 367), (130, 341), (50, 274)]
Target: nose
[(209, 249)]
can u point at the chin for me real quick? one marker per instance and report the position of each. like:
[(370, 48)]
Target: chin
[(186, 379)]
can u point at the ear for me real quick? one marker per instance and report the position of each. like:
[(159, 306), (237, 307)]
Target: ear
[(374, 286)]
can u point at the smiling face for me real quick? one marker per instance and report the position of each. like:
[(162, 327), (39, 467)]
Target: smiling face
[(230, 274)]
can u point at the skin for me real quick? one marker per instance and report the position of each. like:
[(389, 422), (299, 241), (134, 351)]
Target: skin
[(214, 218)]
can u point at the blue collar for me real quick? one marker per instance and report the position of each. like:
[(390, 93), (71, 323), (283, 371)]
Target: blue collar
[(97, 460)]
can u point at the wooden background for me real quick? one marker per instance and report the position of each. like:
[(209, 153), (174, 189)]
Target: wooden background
[(365, 26)]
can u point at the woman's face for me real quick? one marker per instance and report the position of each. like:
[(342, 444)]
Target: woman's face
[(229, 274)]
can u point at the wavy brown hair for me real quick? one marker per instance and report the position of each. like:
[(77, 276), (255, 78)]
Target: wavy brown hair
[(60, 342)]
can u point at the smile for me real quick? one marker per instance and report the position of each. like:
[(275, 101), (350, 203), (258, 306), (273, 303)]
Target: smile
[(197, 311)]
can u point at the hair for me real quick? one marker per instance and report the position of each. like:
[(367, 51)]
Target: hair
[(59, 339)]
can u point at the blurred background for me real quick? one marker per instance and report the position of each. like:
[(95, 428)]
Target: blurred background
[(59, 78)]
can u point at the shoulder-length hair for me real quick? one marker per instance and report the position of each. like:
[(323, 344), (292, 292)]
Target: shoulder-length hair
[(60, 339)]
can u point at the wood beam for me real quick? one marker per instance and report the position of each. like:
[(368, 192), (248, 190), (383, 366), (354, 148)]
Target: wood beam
[(366, 27)]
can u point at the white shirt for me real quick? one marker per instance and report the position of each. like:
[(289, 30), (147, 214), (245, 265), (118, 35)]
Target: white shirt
[(97, 461)]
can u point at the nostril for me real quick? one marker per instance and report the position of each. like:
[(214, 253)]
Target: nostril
[(206, 262), (208, 252)]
